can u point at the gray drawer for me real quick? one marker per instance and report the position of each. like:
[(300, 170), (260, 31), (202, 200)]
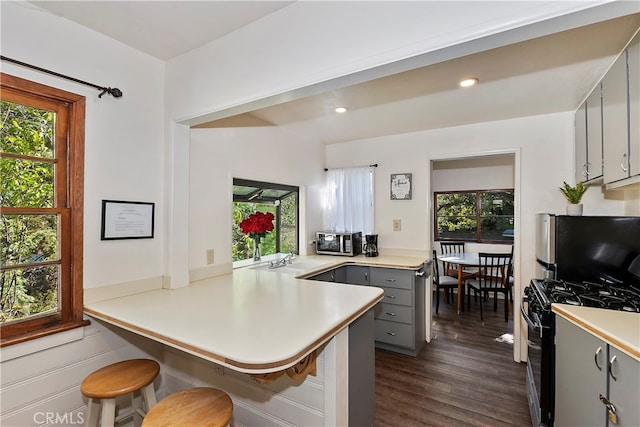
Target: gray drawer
[(391, 277), (394, 333), (397, 296), (394, 313)]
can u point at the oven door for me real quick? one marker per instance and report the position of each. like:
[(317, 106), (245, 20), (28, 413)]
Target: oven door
[(540, 359)]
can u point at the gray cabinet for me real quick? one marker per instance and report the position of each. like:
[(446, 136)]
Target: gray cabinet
[(620, 114), (588, 368), (400, 316), (588, 134), (357, 275), (337, 275)]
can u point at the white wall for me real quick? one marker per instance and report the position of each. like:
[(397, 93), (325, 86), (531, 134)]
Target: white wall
[(124, 141), (261, 154), (124, 137), (477, 173)]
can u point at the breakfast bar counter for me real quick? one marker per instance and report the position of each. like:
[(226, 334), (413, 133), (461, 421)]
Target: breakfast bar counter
[(252, 321)]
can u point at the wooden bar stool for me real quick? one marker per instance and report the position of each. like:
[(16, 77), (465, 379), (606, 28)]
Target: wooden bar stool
[(193, 407), (108, 383)]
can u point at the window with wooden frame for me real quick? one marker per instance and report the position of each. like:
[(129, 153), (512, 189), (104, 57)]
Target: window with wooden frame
[(41, 202), (483, 216)]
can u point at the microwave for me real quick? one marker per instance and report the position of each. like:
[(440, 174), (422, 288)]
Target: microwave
[(345, 244)]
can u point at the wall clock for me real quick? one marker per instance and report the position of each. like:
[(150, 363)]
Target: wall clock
[(400, 186)]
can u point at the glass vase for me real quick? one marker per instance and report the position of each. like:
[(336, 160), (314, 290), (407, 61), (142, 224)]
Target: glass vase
[(257, 254)]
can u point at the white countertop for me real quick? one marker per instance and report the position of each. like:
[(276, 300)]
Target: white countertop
[(617, 328), (253, 321)]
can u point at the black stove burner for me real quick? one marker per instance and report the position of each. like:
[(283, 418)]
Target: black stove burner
[(611, 296)]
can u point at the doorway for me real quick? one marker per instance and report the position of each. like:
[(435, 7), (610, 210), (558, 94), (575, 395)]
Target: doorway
[(481, 171)]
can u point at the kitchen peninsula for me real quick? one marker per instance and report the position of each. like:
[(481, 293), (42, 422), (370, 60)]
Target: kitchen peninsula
[(257, 321)]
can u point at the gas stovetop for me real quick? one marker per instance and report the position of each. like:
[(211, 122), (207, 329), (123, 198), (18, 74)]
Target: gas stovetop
[(589, 294)]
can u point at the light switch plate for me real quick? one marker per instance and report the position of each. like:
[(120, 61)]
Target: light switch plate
[(397, 225)]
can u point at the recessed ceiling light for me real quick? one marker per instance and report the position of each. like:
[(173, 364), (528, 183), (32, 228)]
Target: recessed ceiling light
[(340, 110), (468, 82)]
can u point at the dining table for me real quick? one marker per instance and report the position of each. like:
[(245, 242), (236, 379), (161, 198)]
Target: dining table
[(462, 260)]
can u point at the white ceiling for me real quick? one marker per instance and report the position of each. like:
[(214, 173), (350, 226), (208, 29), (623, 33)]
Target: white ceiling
[(544, 75)]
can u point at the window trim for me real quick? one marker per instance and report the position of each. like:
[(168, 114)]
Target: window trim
[(69, 205), (478, 194)]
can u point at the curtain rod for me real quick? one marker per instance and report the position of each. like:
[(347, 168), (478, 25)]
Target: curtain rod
[(115, 92), (375, 165)]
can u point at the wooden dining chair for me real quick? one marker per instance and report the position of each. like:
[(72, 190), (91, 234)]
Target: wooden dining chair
[(444, 283), (491, 279), (450, 269)]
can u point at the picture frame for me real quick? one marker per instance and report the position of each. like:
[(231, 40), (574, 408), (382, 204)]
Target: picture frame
[(127, 220), (401, 186)]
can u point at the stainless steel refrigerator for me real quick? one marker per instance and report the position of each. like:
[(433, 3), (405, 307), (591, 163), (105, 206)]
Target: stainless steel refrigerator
[(588, 248)]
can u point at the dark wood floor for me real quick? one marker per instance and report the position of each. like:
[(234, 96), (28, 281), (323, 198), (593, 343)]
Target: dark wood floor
[(463, 377)]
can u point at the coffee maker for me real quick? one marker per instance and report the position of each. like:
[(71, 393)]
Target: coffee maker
[(371, 245)]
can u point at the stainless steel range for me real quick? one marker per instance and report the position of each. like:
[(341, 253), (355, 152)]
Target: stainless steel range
[(587, 261)]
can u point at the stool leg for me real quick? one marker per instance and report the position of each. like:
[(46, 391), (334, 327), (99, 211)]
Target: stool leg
[(108, 412), (137, 410), (149, 395), (93, 410)]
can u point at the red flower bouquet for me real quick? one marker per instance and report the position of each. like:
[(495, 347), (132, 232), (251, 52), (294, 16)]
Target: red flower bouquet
[(257, 225)]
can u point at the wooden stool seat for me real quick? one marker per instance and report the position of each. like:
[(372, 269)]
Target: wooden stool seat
[(108, 383), (193, 407)]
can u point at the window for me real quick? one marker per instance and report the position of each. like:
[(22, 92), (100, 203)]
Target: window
[(281, 200), (348, 200), (484, 216), (41, 196)]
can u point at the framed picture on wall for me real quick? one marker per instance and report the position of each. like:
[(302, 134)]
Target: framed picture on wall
[(400, 186), (127, 220)]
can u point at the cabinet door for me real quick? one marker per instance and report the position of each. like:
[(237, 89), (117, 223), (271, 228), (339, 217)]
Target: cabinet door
[(579, 382), (614, 121), (327, 276), (594, 134), (357, 275), (634, 105), (624, 382), (581, 142)]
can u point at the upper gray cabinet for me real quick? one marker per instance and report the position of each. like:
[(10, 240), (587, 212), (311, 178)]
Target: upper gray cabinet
[(621, 118), (588, 132)]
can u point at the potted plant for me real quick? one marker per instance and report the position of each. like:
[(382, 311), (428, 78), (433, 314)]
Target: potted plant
[(574, 196)]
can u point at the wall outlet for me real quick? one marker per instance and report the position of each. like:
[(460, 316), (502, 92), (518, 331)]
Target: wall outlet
[(209, 256), (397, 225)]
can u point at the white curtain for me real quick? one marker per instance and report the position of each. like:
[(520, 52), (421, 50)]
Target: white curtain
[(348, 200)]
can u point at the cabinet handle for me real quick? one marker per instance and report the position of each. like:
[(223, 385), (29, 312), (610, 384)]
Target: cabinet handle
[(623, 163), (585, 174), (390, 280), (596, 358), (393, 334), (611, 363), (390, 314), (366, 275), (390, 296)]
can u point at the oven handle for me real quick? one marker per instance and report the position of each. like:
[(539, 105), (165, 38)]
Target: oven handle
[(536, 326)]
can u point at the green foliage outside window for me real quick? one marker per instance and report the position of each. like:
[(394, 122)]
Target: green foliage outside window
[(28, 287), (482, 216), (286, 228)]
